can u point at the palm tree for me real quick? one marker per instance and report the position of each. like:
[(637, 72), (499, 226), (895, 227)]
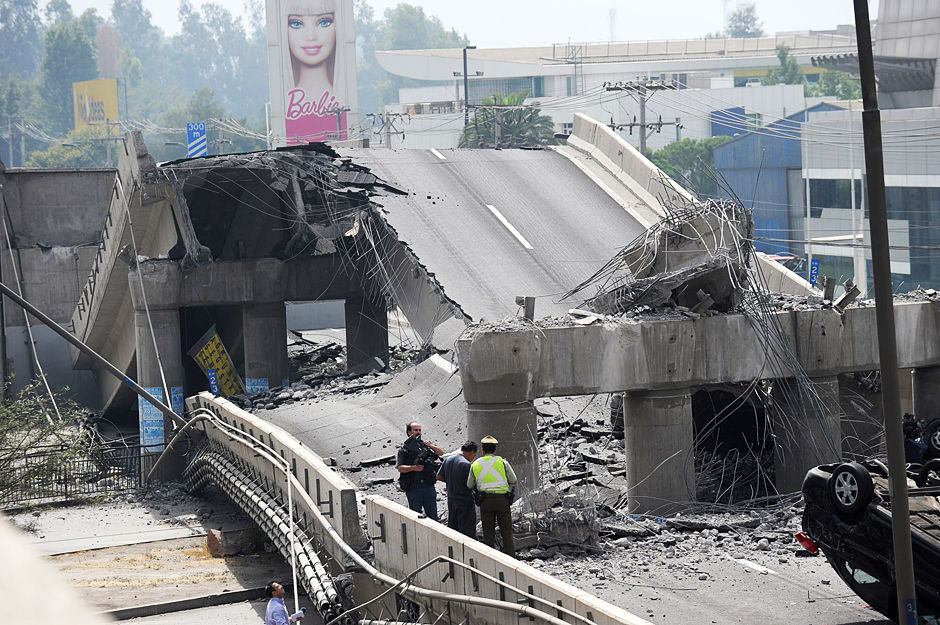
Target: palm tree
[(505, 122)]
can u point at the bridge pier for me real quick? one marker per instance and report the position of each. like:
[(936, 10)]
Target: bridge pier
[(658, 441), (166, 335), (926, 388), (366, 334), (807, 432), (264, 327), (515, 427)]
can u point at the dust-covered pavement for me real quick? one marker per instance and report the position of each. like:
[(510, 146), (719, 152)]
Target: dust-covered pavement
[(148, 548)]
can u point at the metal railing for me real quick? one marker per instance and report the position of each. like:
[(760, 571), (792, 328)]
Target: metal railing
[(56, 473)]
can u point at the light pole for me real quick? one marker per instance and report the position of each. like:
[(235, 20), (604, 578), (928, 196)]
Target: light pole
[(466, 88)]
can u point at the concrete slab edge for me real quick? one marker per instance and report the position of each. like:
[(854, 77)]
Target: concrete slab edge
[(191, 603)]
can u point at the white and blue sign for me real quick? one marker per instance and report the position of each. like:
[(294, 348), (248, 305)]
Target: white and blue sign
[(256, 385), (214, 382), (151, 421), (176, 398), (196, 140), (814, 271)]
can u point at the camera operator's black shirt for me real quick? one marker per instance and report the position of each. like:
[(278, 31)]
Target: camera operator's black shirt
[(410, 458)]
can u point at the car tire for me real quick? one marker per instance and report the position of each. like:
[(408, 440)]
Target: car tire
[(932, 438), (850, 489), (930, 465)]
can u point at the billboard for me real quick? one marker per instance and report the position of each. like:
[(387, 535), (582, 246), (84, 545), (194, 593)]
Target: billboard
[(95, 102), (311, 69)]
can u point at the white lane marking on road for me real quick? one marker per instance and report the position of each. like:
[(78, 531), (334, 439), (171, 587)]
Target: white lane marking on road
[(510, 227), (438, 154), (754, 566), (443, 364)]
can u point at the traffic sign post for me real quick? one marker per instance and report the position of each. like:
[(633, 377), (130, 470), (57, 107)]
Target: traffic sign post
[(814, 271), (197, 143)]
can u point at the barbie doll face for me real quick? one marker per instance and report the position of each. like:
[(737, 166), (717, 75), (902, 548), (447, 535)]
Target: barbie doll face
[(311, 31)]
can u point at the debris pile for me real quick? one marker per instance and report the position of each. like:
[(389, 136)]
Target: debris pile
[(696, 257), (319, 369)]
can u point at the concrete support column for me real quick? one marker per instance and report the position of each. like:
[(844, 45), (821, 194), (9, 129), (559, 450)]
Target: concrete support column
[(807, 429), (925, 385), (514, 426), (166, 329), (264, 328), (366, 334), (658, 440)]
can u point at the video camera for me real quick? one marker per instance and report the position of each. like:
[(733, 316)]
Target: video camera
[(423, 454)]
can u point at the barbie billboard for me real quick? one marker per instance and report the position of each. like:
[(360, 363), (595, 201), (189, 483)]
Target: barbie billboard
[(312, 69)]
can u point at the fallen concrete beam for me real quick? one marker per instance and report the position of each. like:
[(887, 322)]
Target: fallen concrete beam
[(520, 364)]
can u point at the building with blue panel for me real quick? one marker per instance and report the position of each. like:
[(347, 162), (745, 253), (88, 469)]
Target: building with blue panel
[(763, 170)]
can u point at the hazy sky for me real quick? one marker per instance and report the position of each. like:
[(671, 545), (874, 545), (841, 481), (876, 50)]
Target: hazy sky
[(506, 23)]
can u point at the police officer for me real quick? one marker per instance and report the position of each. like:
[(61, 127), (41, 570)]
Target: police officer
[(418, 480), (493, 478)]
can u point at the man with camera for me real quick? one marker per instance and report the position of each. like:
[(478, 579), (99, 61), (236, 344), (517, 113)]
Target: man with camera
[(493, 482), (417, 465)]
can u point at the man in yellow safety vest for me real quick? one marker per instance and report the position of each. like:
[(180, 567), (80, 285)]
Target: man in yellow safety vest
[(493, 479)]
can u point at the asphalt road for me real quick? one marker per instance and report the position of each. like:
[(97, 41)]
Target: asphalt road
[(494, 224)]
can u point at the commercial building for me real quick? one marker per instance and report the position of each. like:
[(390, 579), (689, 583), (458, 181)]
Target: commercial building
[(701, 76)]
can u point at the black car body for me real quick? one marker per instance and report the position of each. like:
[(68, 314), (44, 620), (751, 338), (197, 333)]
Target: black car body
[(847, 515)]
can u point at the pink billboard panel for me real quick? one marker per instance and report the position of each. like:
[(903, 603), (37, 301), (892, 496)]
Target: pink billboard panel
[(312, 68)]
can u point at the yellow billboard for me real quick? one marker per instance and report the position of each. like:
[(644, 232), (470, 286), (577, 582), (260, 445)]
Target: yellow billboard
[(95, 103)]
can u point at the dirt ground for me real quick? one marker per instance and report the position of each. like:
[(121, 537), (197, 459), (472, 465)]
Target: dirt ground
[(161, 571)]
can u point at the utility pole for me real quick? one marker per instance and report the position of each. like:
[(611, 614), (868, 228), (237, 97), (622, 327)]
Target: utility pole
[(466, 88), (10, 137), (338, 111), (642, 90), (884, 314), (388, 122)]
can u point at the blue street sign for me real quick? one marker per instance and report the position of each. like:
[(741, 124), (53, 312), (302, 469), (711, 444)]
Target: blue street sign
[(213, 382), (196, 141), (814, 271)]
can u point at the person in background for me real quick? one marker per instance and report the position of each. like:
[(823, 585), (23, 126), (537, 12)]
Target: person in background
[(461, 511), (276, 612), (493, 478)]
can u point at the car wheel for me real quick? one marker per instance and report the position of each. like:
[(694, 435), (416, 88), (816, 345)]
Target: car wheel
[(850, 488), (929, 466), (932, 438)]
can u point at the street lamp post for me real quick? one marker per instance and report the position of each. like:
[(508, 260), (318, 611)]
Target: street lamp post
[(466, 88)]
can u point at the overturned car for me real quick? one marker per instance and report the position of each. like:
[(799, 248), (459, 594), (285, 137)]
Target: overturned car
[(848, 517)]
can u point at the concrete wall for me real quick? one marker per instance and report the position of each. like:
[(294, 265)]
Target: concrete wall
[(55, 219), (333, 494), (403, 541)]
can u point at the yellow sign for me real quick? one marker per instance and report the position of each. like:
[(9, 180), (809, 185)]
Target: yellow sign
[(209, 353), (95, 103)]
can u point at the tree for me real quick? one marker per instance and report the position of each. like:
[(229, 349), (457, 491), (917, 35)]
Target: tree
[(406, 27), (788, 72), (81, 148), (743, 22), (57, 12), (368, 72), (229, 62), (836, 84), (507, 123), (689, 162), (28, 423), (134, 25), (70, 57), (20, 43)]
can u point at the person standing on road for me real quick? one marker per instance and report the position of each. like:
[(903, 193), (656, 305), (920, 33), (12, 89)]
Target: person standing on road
[(276, 612), (417, 466), (493, 478), (461, 513)]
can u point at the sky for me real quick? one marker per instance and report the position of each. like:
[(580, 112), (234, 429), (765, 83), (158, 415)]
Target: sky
[(509, 23)]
